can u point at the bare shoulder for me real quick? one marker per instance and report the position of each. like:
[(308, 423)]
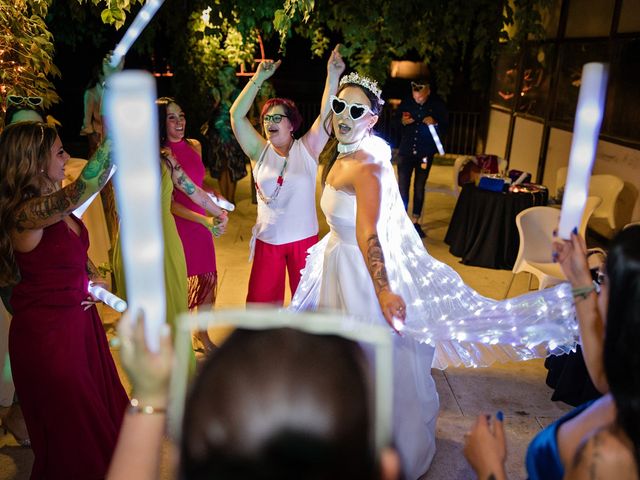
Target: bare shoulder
[(605, 454)]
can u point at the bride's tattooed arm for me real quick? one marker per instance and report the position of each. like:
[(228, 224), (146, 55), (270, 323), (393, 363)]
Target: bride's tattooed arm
[(375, 264), (40, 212)]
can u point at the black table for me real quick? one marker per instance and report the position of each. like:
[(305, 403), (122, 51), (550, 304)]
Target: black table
[(483, 226)]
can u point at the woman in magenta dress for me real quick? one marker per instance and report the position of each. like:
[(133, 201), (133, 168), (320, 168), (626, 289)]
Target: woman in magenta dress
[(195, 227), (71, 395)]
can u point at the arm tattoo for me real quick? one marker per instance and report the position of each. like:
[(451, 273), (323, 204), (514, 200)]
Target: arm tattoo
[(98, 163), (184, 182), (92, 271), (45, 210), (375, 264), (36, 212)]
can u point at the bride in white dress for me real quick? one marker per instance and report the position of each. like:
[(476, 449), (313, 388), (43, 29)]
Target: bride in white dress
[(372, 265)]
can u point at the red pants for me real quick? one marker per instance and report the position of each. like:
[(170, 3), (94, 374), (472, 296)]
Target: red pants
[(266, 284)]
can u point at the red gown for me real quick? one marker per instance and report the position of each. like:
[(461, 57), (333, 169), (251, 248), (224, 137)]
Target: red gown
[(65, 378)]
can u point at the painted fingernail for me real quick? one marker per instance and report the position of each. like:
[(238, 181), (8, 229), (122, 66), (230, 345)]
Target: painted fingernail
[(554, 257), (575, 230), (555, 232), (500, 415)]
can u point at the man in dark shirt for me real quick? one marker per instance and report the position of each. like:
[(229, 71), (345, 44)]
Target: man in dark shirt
[(417, 146)]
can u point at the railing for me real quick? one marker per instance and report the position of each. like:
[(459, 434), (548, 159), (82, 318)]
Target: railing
[(462, 135)]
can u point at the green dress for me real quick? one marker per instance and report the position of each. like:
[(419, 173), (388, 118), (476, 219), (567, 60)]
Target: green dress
[(175, 265)]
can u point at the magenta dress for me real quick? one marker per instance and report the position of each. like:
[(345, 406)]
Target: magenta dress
[(197, 240), (65, 377)]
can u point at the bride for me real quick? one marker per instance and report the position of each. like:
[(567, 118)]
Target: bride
[(372, 265)]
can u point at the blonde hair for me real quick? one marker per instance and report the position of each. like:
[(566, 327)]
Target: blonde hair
[(25, 151)]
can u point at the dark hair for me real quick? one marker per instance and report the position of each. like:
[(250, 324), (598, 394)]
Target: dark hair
[(25, 151), (163, 104), (279, 404), (622, 332), (290, 110), (329, 153)]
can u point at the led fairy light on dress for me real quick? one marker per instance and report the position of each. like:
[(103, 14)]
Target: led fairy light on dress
[(131, 116), (465, 327), (586, 130), (144, 16), (108, 298)]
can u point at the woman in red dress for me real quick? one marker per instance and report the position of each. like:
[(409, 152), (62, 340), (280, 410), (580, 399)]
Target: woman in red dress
[(69, 389)]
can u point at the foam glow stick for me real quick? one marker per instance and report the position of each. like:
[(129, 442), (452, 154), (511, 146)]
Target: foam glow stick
[(436, 138), (78, 212), (144, 16), (583, 146), (132, 121), (108, 298), (222, 203)]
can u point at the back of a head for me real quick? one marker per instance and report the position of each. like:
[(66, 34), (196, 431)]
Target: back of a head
[(622, 331), (279, 404)]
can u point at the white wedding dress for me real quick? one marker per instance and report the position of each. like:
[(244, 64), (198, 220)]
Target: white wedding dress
[(443, 315)]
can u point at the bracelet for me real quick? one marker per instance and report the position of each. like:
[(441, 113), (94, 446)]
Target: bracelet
[(136, 407), (583, 292), (259, 86)]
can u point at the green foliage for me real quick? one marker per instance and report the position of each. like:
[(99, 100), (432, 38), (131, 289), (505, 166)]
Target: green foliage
[(445, 34), (114, 11), (26, 50)]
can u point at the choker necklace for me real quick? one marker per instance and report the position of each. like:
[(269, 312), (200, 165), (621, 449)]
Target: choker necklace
[(345, 148)]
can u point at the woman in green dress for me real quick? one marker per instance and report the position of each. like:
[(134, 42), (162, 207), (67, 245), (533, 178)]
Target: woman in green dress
[(175, 266)]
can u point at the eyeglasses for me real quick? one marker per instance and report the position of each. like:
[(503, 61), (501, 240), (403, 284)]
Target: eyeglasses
[(416, 87), (19, 100), (355, 110), (275, 118)]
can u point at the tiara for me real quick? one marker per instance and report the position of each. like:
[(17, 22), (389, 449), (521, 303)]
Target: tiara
[(365, 82)]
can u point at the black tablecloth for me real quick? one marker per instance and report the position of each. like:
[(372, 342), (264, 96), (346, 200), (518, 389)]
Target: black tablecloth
[(483, 226)]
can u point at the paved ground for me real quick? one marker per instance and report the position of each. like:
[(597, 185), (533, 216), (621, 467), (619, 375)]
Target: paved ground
[(518, 389)]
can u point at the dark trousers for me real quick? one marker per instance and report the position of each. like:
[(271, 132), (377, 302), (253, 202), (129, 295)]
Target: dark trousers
[(407, 165)]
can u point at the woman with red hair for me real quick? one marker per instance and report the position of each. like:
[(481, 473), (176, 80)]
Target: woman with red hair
[(284, 172)]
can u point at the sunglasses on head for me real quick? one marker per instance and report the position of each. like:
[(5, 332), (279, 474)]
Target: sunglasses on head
[(416, 87), (355, 110), (20, 100), (275, 118)]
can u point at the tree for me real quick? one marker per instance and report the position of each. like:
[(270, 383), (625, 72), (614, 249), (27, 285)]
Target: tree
[(26, 51)]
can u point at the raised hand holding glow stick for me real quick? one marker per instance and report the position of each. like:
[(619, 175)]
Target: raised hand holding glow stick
[(436, 139), (132, 120), (78, 212), (108, 298), (586, 129), (144, 16)]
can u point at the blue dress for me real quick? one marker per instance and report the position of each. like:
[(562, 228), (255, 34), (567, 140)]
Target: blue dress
[(543, 456)]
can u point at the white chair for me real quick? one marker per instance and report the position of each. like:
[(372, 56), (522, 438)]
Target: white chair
[(608, 188), (438, 181), (561, 178), (535, 228)]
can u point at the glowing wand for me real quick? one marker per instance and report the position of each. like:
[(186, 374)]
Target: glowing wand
[(144, 16), (583, 146)]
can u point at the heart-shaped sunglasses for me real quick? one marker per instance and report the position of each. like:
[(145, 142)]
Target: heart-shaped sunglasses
[(20, 100), (355, 110)]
